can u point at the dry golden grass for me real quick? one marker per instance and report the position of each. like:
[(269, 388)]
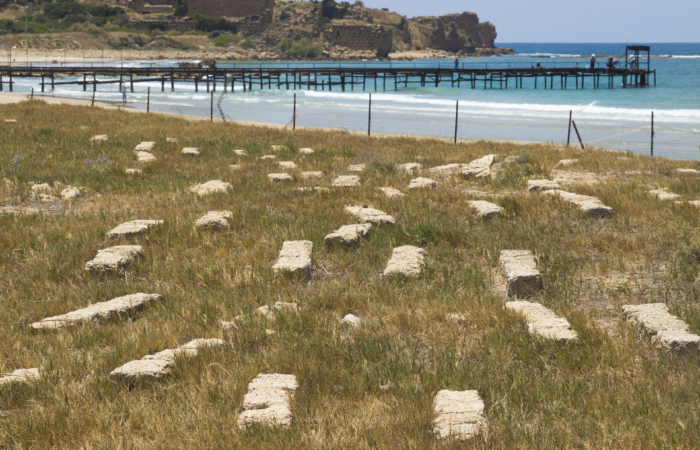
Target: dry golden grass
[(359, 388)]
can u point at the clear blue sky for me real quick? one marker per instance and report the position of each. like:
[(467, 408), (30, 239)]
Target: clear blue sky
[(569, 21)]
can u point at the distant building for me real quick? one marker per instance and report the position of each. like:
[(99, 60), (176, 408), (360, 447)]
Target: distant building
[(213, 8)]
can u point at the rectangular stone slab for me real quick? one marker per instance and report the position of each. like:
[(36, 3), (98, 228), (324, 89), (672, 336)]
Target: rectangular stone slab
[(520, 271), (109, 310), (155, 367), (371, 215), (267, 400), (114, 259), (458, 414), (295, 257), (348, 234), (132, 228), (485, 210), (21, 376), (479, 168), (543, 322), (590, 205), (408, 261), (668, 331)]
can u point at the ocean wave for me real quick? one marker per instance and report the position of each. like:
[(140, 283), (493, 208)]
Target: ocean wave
[(685, 56)]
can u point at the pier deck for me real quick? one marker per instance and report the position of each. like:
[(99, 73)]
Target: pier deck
[(376, 78)]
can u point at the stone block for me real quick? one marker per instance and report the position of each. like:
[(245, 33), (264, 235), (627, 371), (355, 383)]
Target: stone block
[(408, 261), (171, 140), (109, 310), (114, 259), (352, 321), (21, 376), (356, 168), (210, 187), (542, 185), (269, 157), (458, 415), (99, 138), (447, 169), (567, 162), (240, 152), (144, 147), (485, 210), (267, 401), (520, 271), (290, 165), (422, 183), (306, 151), (410, 167), (371, 215), (132, 171), (145, 157), (668, 331), (390, 192), (590, 205), (70, 193), (278, 307), (661, 194), (190, 151), (479, 168), (132, 228), (349, 234), (215, 220), (295, 257), (543, 322), (307, 175), (346, 181), (279, 177)]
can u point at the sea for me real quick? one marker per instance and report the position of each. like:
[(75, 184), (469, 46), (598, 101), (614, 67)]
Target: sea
[(614, 117)]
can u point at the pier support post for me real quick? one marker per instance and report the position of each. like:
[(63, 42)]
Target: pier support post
[(148, 101), (652, 133), (369, 117), (211, 110), (456, 120), (294, 113), (568, 136), (172, 80)]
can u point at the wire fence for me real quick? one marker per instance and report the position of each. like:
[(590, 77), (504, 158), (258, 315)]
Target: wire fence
[(666, 139)]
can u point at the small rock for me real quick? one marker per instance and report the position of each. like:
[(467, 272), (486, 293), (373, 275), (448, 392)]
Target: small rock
[(346, 181), (190, 151), (70, 193), (590, 205), (407, 261), (269, 157), (133, 171), (47, 198), (41, 188), (542, 185), (10, 121), (279, 177), (99, 138), (240, 152), (688, 171), (306, 151), (421, 183), (215, 220), (349, 234), (313, 189), (446, 169), (295, 257), (278, 307), (352, 320), (210, 187), (171, 140), (234, 167), (567, 162), (457, 319), (277, 148)]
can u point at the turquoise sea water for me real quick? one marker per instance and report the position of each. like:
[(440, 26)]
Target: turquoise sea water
[(615, 118)]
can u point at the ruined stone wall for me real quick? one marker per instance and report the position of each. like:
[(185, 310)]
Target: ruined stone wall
[(360, 37), (450, 30), (230, 8)]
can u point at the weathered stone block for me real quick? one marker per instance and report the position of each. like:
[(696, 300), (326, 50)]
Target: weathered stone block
[(114, 259), (422, 183), (408, 261), (210, 187), (132, 228), (543, 322), (215, 220), (295, 257), (485, 210), (668, 331), (375, 216), (520, 271), (458, 414), (349, 234)]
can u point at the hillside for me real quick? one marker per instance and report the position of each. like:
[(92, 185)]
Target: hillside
[(289, 30)]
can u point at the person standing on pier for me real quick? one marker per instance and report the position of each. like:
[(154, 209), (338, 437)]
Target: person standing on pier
[(123, 89), (456, 63), (593, 61)]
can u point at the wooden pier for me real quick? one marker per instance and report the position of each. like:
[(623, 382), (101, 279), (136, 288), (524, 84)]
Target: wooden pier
[(343, 79)]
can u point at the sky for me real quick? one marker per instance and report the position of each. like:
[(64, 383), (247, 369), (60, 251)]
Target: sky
[(569, 21)]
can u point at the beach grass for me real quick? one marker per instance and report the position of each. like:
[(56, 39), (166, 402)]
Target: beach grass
[(367, 387)]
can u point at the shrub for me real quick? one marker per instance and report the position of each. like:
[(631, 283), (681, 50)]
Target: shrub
[(246, 44), (223, 41), (302, 48), (74, 18), (180, 8), (209, 24)]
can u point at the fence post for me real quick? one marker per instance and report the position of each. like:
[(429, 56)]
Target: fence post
[(369, 117), (568, 136), (456, 120), (148, 101), (652, 133), (579, 136), (211, 113), (32, 98), (294, 115)]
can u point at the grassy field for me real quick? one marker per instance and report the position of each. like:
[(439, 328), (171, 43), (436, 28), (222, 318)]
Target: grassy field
[(370, 387)]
